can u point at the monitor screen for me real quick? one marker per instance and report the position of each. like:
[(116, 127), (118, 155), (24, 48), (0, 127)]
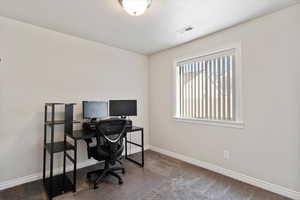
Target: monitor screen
[(122, 108), (94, 109)]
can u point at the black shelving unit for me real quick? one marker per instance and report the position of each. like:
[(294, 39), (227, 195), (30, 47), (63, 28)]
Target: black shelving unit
[(59, 184)]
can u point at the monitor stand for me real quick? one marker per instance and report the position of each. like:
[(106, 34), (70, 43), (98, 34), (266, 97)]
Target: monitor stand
[(128, 121), (93, 120)]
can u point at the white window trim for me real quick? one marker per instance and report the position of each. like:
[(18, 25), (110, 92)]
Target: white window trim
[(229, 124), (238, 123)]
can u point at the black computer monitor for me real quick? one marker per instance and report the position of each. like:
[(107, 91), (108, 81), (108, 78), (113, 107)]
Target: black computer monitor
[(94, 109), (122, 108)]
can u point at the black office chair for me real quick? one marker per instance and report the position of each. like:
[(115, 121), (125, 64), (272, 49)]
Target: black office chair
[(110, 134)]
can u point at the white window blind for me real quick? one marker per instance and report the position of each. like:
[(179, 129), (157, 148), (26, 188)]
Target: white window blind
[(206, 88)]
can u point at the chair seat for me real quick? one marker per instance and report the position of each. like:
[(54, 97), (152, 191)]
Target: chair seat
[(102, 152)]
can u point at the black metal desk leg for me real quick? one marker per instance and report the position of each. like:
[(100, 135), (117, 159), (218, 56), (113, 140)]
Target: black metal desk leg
[(44, 165), (141, 164), (64, 167), (45, 141), (126, 146), (142, 147), (52, 153), (75, 167)]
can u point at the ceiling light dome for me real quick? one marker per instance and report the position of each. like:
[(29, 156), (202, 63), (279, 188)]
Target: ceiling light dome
[(135, 7)]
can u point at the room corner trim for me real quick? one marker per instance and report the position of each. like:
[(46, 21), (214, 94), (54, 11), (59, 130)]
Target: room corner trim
[(235, 175)]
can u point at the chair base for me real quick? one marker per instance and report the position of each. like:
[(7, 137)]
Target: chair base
[(102, 173)]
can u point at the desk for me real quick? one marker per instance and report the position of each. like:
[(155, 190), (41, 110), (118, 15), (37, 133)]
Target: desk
[(83, 134)]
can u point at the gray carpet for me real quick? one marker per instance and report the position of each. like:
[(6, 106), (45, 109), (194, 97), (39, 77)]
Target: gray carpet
[(163, 178)]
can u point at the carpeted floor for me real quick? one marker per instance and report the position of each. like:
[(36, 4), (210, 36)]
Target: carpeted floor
[(163, 178)]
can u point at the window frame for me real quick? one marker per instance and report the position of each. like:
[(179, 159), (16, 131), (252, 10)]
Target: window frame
[(238, 123)]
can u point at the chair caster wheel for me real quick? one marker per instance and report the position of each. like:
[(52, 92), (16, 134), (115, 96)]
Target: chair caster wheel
[(123, 171), (120, 182)]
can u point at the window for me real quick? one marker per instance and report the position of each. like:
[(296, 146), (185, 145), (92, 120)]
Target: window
[(207, 87)]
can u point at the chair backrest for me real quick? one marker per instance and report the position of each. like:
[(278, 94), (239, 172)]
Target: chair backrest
[(113, 131), (69, 110)]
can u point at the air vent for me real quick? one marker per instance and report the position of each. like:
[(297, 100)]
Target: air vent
[(185, 29)]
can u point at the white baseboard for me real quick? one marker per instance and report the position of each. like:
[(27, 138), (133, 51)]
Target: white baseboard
[(36, 176), (235, 175)]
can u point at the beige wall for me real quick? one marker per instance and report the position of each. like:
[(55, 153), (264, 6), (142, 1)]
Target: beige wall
[(41, 66), (268, 147)]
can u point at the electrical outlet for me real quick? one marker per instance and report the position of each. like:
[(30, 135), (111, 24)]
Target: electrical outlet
[(226, 154)]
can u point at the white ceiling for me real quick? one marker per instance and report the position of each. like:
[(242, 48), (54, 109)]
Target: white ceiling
[(105, 21)]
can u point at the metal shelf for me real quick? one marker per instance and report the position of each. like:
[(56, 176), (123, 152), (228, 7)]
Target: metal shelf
[(59, 186), (59, 147), (58, 122), (51, 104)]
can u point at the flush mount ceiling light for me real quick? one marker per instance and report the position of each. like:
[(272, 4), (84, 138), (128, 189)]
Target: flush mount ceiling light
[(135, 7)]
